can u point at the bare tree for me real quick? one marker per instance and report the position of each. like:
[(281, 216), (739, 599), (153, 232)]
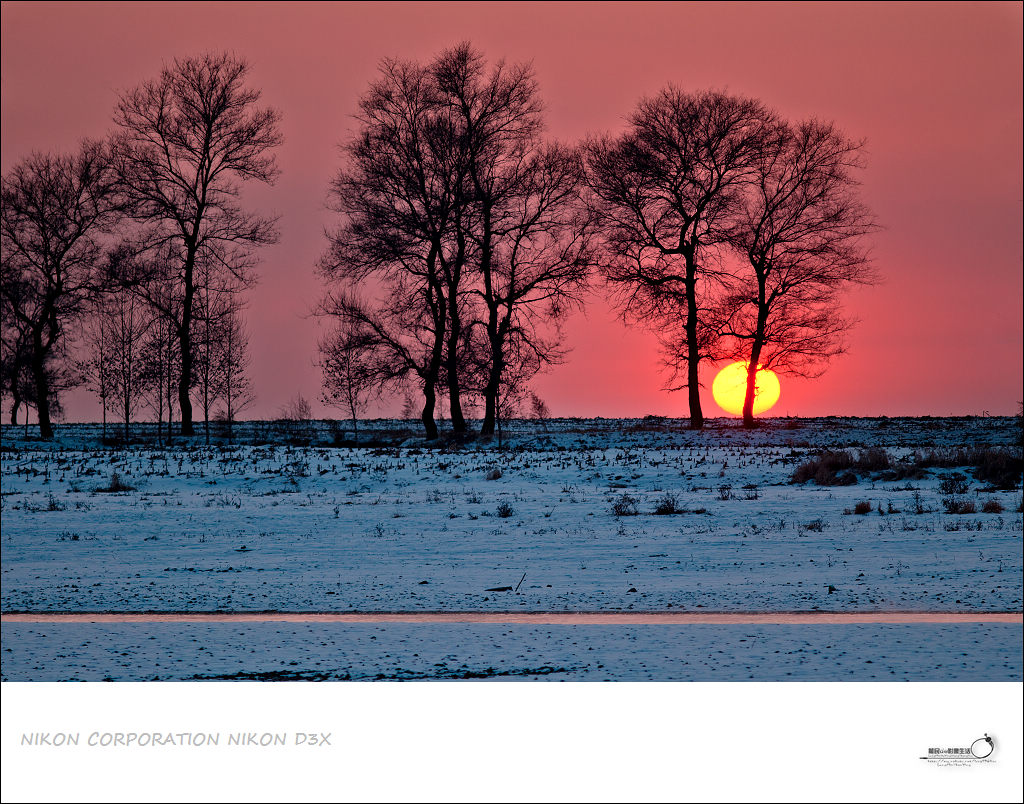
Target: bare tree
[(215, 308), (187, 141), (531, 240), (15, 356), (408, 408), (161, 355), (539, 409), (97, 367), (461, 233), (18, 379), (801, 235), (120, 324), (347, 359), (513, 390), (234, 387), (496, 116), (56, 210), (663, 191), (295, 418), (398, 198), (539, 271)]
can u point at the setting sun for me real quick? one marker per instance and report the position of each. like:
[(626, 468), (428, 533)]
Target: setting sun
[(731, 383)]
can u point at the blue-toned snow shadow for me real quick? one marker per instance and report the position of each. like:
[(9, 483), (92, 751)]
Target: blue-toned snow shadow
[(401, 651)]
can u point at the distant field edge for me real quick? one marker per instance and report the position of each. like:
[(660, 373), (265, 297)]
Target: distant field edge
[(524, 617)]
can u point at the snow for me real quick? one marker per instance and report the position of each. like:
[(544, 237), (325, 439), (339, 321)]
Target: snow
[(400, 652), (407, 526), (317, 528)]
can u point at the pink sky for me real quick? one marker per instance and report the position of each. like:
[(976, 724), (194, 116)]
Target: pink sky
[(936, 90)]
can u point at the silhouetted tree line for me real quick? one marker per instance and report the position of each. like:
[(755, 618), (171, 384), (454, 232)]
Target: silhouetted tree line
[(123, 263), (466, 237)]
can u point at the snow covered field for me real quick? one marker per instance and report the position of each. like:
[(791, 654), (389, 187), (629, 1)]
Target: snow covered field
[(562, 519), (400, 652), (411, 528)]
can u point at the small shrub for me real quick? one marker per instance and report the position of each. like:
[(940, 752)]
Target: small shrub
[(873, 459), (863, 507), (725, 492), (954, 484), (116, 485), (836, 468), (992, 507), (504, 510), (828, 469), (493, 474), (626, 505), (1000, 468), (817, 525), (669, 504), (958, 505)]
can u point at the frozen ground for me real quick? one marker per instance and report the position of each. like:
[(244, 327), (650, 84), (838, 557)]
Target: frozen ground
[(404, 526), (400, 652)]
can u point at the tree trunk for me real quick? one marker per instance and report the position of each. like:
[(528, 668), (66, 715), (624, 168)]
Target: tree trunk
[(490, 411), (494, 377), (439, 312), (169, 398), (454, 333), (497, 408), (184, 383), (185, 340), (454, 395), (751, 392), (42, 395), (159, 408), (491, 390), (755, 352), (692, 348), (427, 417), (16, 404), (493, 335)]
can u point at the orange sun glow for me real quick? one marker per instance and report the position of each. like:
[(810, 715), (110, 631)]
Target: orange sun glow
[(730, 385)]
